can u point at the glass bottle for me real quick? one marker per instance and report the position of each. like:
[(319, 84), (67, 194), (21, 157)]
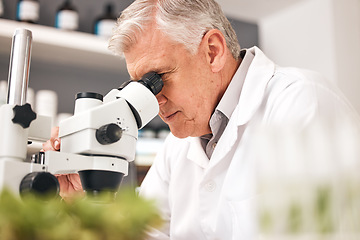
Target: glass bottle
[(3, 92), (1, 8), (103, 26), (67, 17), (28, 11)]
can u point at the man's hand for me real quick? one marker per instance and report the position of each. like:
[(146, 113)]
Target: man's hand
[(70, 184), (53, 144)]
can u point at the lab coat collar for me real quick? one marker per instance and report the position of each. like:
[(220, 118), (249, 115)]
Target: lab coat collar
[(252, 94), (259, 74)]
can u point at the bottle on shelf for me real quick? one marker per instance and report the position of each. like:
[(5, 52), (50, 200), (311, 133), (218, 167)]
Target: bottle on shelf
[(1, 8), (104, 25), (46, 104), (3, 92), (28, 11), (67, 17)]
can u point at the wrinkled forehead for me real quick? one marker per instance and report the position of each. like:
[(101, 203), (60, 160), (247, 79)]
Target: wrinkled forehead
[(154, 51)]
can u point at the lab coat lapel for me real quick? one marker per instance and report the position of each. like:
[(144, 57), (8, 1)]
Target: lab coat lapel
[(259, 74), (196, 152), (230, 137)]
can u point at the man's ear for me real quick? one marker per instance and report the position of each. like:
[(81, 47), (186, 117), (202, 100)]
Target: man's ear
[(215, 47)]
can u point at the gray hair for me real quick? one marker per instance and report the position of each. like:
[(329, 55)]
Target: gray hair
[(184, 21)]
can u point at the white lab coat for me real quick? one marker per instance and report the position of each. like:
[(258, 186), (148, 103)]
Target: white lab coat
[(202, 199)]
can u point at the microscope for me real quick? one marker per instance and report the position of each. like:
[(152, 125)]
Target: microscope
[(97, 142)]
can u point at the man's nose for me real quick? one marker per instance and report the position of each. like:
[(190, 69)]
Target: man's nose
[(161, 98)]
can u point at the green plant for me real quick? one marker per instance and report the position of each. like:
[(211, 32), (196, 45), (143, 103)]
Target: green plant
[(127, 217)]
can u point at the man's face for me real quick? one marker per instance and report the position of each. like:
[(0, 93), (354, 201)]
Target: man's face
[(190, 93)]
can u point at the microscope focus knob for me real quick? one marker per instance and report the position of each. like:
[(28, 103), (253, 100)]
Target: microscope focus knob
[(23, 115), (109, 133)]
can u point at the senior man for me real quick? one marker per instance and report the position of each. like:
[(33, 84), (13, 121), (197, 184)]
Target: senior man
[(213, 94)]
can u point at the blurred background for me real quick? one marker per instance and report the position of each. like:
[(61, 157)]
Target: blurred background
[(67, 77), (68, 60), (321, 35)]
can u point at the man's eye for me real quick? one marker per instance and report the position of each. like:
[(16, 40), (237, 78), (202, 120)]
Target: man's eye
[(164, 76)]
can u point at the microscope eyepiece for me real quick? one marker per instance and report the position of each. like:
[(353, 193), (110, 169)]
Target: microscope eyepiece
[(89, 95), (152, 81)]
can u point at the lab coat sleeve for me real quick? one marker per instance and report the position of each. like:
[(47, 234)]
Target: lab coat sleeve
[(156, 186)]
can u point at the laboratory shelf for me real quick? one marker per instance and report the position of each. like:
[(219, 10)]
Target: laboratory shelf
[(63, 47)]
